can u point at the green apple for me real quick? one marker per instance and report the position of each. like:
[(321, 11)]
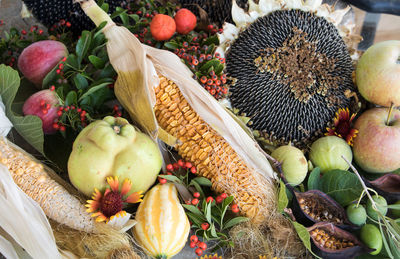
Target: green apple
[(377, 145), (113, 147), (378, 73)]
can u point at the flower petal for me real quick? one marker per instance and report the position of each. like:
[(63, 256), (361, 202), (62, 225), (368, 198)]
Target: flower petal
[(96, 196), (113, 182), (126, 187), (134, 197), (92, 206)]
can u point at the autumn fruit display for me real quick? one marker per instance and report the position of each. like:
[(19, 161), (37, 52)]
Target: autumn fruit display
[(199, 129), (36, 61), (113, 147)]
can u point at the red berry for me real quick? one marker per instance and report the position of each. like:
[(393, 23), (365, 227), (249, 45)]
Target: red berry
[(210, 199), (79, 110), (52, 88), (194, 239), (48, 106), (193, 170), (56, 126), (224, 195), (192, 244), (210, 27), (62, 128), (181, 163), (68, 24), (64, 59), (196, 194), (170, 167), (195, 201), (203, 79), (205, 226), (234, 208), (61, 66), (23, 32), (198, 251), (175, 165), (202, 245), (219, 199), (40, 32), (59, 113), (58, 71), (169, 173), (188, 165), (42, 103), (162, 180)]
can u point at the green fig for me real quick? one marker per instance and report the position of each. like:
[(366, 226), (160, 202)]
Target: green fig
[(356, 215), (294, 164), (381, 205), (372, 237), (113, 147)]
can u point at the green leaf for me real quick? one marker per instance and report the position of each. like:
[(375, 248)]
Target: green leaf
[(313, 179), (203, 181), (96, 61), (213, 231), (194, 210), (282, 198), (394, 206), (218, 69), (384, 240), (209, 64), (171, 45), (125, 18), (72, 61), (208, 212), (117, 12), (29, 127), (105, 7), (225, 205), (342, 186), (83, 45), (211, 40), (71, 98), (93, 89), (195, 219), (50, 78), (134, 17), (303, 234), (80, 81), (198, 187), (235, 221), (171, 178)]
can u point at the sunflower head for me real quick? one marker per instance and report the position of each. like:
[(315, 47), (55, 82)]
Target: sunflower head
[(105, 206), (342, 126)]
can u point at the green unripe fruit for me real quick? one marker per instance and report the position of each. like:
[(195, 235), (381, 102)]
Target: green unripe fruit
[(372, 237), (326, 153), (294, 163), (396, 212), (356, 215), (381, 205)]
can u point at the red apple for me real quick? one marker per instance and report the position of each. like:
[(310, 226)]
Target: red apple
[(44, 105), (376, 148), (39, 58), (378, 73)]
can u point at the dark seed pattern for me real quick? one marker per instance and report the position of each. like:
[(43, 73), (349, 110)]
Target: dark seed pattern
[(272, 107), (50, 12), (219, 11)]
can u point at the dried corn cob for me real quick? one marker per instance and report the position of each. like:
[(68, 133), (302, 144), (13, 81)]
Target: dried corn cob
[(209, 152), (33, 178)]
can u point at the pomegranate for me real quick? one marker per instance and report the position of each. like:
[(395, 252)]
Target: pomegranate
[(185, 21), (162, 27)]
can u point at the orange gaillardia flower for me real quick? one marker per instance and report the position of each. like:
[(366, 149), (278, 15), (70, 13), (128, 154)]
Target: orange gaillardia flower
[(343, 126), (110, 204)]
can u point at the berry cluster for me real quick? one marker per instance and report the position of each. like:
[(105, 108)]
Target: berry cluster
[(175, 167), (195, 242), (196, 58), (70, 112)]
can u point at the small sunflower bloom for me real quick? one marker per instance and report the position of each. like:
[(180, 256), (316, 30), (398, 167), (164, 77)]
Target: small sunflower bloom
[(342, 126), (105, 206), (215, 256)]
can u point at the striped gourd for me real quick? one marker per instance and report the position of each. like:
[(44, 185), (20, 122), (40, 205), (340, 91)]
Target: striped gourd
[(209, 152), (162, 226), (33, 178)]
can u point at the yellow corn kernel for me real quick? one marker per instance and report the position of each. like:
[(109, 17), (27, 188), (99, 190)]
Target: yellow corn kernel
[(213, 157), (56, 202)]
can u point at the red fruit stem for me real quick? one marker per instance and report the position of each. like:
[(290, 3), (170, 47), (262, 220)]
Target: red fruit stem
[(389, 114)]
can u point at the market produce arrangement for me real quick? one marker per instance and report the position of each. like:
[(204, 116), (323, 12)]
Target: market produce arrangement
[(239, 129)]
